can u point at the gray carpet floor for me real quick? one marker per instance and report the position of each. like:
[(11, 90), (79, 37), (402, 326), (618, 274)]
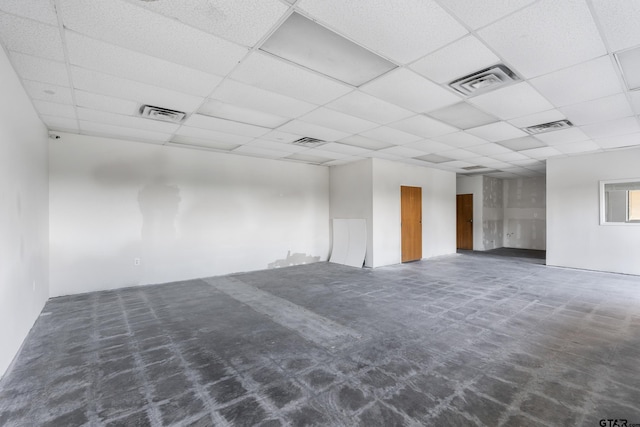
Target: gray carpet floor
[(453, 341)]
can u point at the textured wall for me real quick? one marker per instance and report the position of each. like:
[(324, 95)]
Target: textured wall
[(525, 213), (492, 213)]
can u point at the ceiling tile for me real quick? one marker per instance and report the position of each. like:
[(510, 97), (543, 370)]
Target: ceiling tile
[(635, 101), (583, 82), (523, 143), (210, 135), (401, 33), (457, 165), (578, 147), (509, 157), (204, 143), (339, 121), (42, 11), (362, 142), (225, 126), (215, 108), (266, 72), (47, 108), (130, 26), (48, 92), (31, 37), (369, 107), (497, 132), (434, 158), (256, 151), (613, 128), (599, 110), (460, 154), (423, 126), (38, 69), (343, 161), (103, 84), (109, 104), (541, 153), (243, 95), (513, 101), (241, 21), (430, 146), (390, 135), (527, 163), (345, 149), (309, 158), (311, 130), (60, 123), (563, 136), (619, 20), (116, 61), (529, 39), (118, 131), (411, 91), (488, 149), (95, 116), (278, 136), (402, 151), (538, 118), (460, 139), (629, 140), (458, 59), (463, 116), (479, 14)]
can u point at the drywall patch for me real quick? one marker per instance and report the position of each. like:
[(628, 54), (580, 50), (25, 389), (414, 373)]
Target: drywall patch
[(293, 259), (492, 192), (492, 233)]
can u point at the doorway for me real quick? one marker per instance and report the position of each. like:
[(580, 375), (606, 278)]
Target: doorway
[(464, 221), (411, 223)]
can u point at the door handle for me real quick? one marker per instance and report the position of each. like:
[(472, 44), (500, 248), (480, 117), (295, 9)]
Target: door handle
[(471, 221)]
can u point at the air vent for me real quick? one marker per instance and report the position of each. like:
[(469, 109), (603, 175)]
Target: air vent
[(308, 142), (473, 168), (549, 127), (484, 80), (162, 114)]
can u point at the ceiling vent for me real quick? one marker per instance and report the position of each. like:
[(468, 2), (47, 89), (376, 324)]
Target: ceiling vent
[(162, 114), (549, 127), (473, 168), (484, 80), (308, 142)]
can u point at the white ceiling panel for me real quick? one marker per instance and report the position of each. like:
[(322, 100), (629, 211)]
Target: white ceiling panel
[(430, 146), (109, 104), (478, 14), (382, 155), (541, 153), (277, 146), (635, 101), (538, 118), (46, 108), (402, 151), (369, 107), (243, 95), (463, 116), (256, 151), (39, 69), (103, 129), (459, 154), (578, 147), (343, 161), (278, 136), (487, 149), (320, 152), (266, 72), (630, 140), (583, 82), (403, 32), (126, 121), (48, 92), (362, 142), (60, 123), (215, 108), (311, 130), (135, 28), (345, 149), (390, 135), (104, 84), (460, 139), (116, 61), (241, 21), (203, 143), (509, 157), (308, 158), (225, 126), (458, 59), (513, 101), (31, 37), (546, 36), (599, 110), (423, 126), (613, 128), (457, 165), (619, 20), (497, 132), (336, 120), (210, 135), (38, 10), (411, 91)]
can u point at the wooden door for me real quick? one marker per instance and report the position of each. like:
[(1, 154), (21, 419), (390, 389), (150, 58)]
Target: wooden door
[(411, 225), (464, 221)]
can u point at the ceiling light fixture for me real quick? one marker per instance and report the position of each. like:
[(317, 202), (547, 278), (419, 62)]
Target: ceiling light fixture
[(629, 63), (484, 80), (306, 43)]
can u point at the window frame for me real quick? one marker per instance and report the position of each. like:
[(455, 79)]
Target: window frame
[(603, 202)]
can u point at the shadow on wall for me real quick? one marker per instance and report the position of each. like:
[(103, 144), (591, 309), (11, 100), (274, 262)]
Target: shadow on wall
[(295, 259)]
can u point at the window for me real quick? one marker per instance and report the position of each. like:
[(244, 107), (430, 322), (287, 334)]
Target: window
[(620, 202)]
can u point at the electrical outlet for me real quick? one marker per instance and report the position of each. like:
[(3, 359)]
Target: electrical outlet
[(136, 261)]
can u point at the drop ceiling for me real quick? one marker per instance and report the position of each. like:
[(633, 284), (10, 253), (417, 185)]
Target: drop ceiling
[(89, 66)]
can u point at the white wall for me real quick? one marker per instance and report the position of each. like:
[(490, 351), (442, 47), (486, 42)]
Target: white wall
[(525, 213), (351, 196), (473, 185), (23, 214), (575, 237), (438, 210), (184, 213)]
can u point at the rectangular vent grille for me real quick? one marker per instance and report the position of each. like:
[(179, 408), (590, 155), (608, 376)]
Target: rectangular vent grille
[(484, 80), (162, 114), (308, 142), (549, 127), (473, 168)]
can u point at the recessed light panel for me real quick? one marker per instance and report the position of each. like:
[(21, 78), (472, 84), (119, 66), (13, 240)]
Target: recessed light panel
[(434, 158), (306, 43), (463, 116), (223, 110), (629, 62), (524, 143)]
